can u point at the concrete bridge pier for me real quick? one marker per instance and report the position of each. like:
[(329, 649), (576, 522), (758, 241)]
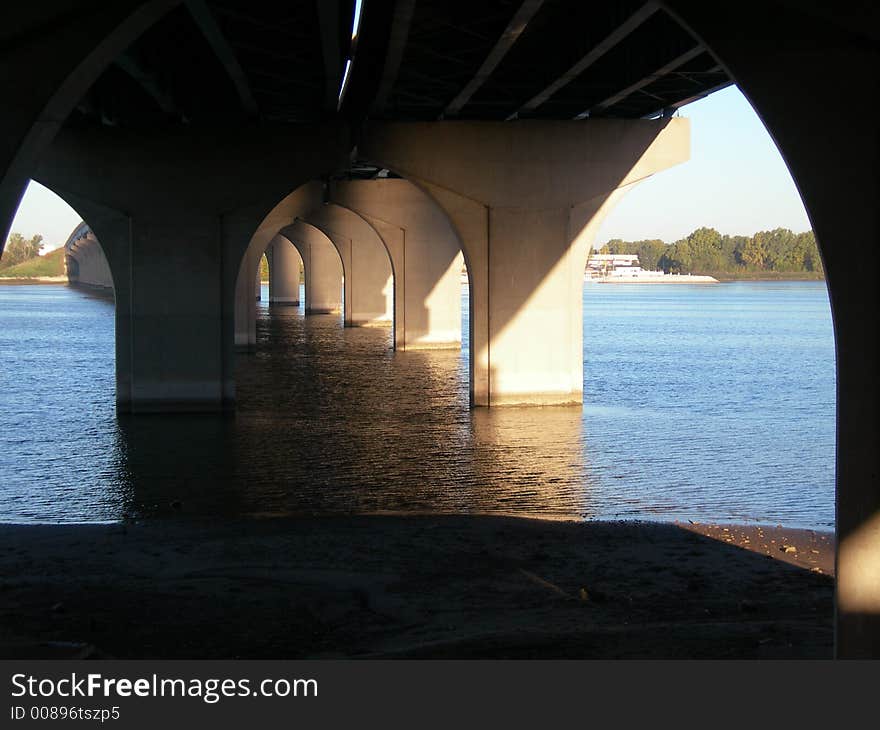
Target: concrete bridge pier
[(245, 308), (177, 333), (425, 255), (526, 213), (180, 251), (284, 272), (321, 264), (173, 345), (369, 283)]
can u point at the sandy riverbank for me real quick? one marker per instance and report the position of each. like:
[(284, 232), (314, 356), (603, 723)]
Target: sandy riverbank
[(414, 586)]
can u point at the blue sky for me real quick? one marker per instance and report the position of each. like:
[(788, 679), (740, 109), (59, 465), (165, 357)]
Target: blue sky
[(43, 212), (735, 181)]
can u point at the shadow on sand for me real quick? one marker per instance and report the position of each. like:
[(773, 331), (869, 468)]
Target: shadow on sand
[(401, 586)]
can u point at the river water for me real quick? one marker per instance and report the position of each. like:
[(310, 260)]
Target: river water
[(701, 402)]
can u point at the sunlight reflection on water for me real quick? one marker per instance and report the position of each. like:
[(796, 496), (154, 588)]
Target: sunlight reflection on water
[(700, 402)]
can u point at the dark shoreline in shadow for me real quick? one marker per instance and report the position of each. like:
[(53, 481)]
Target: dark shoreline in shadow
[(408, 586)]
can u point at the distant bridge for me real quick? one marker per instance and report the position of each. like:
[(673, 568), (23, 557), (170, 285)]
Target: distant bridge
[(84, 260)]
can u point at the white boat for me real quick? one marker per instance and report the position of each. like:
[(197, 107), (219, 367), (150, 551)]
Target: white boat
[(625, 269), (638, 275)]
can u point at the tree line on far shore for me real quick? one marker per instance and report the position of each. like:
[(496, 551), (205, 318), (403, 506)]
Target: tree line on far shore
[(706, 251), (20, 249)]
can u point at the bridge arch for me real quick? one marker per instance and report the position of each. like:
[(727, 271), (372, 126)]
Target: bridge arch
[(425, 253), (95, 263), (817, 48), (368, 268), (303, 198)]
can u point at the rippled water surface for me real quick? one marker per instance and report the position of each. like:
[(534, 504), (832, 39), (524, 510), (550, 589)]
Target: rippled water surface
[(712, 402)]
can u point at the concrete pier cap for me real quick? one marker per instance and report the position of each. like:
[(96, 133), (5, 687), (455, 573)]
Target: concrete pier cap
[(529, 163)]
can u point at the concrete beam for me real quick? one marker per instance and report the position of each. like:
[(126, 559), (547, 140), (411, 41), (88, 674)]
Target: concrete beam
[(511, 34), (403, 12), (665, 69), (150, 84), (206, 22), (595, 53), (328, 26)]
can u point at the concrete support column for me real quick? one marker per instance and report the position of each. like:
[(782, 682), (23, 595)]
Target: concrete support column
[(532, 309), (176, 333), (525, 199), (322, 266), (526, 279), (425, 254), (173, 344), (284, 272), (369, 283), (245, 301)]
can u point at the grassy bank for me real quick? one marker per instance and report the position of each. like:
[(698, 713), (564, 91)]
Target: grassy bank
[(52, 264), (765, 275)]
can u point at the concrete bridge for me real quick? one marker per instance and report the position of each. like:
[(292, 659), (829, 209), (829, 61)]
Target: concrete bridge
[(193, 136)]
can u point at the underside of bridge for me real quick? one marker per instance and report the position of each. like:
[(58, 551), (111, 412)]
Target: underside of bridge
[(403, 139)]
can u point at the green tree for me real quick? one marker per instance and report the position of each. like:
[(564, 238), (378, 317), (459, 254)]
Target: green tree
[(736, 246), (779, 250), (649, 252), (705, 247), (19, 249), (754, 253), (706, 251), (678, 258), (812, 259)]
